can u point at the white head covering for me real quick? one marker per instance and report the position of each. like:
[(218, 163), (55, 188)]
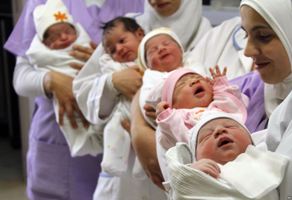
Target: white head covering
[(187, 22), (148, 36), (206, 117), (45, 15), (278, 14)]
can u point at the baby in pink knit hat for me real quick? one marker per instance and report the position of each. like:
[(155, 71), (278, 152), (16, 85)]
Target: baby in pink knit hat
[(186, 95)]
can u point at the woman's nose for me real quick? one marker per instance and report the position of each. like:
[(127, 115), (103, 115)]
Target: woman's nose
[(250, 49)]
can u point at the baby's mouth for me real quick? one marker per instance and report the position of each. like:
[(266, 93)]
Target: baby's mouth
[(199, 91), (164, 55), (224, 141)]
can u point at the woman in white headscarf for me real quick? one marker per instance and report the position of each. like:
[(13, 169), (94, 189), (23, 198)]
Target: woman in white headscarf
[(223, 46), (187, 21), (269, 44)]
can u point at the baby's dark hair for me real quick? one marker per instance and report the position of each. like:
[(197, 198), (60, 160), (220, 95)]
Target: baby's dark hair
[(130, 24)]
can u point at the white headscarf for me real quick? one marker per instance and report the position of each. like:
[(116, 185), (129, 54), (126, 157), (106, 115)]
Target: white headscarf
[(187, 22), (278, 14)]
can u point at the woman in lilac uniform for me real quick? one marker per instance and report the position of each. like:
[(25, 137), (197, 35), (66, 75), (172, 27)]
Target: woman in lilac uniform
[(52, 173)]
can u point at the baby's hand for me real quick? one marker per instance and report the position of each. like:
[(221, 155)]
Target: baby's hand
[(208, 166), (163, 105), (216, 73)]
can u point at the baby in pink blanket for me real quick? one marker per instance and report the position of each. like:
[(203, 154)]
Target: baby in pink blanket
[(186, 95)]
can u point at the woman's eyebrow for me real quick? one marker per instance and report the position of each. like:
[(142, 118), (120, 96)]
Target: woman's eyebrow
[(258, 27)]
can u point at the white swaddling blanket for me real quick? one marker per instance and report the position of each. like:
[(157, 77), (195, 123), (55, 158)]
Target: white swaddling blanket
[(254, 174), (56, 59), (81, 141)]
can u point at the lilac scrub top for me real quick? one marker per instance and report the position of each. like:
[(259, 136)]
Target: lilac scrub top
[(51, 172), (252, 86)]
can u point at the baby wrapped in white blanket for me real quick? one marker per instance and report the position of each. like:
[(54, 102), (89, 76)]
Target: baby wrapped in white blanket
[(251, 173), (54, 17)]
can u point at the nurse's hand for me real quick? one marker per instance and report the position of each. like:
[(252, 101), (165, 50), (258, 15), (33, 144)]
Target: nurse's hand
[(150, 111), (127, 81), (60, 85), (161, 106), (81, 53), (126, 124)]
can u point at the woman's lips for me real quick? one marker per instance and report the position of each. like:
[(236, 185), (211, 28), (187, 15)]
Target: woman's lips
[(162, 5), (260, 65)]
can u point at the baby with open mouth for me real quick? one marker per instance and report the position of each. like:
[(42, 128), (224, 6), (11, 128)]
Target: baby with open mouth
[(223, 162), (186, 95), (218, 138)]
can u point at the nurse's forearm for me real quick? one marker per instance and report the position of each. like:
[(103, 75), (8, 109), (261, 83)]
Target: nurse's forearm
[(143, 140)]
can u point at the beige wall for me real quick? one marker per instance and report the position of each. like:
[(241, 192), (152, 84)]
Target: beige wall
[(25, 104), (17, 6)]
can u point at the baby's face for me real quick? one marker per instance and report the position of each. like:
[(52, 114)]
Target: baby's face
[(60, 36), (163, 53), (122, 45), (222, 140), (192, 90), (165, 7)]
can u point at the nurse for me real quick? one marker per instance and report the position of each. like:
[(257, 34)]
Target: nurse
[(269, 44)]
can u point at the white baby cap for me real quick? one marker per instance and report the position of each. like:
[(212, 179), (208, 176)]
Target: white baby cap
[(148, 36), (205, 118), (45, 15)]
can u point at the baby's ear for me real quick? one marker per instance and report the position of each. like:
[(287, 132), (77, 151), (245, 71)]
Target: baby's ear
[(140, 33)]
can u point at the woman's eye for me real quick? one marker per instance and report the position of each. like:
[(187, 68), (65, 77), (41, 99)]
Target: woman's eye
[(265, 37)]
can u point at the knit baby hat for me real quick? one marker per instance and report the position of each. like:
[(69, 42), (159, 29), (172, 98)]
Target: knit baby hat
[(170, 82), (52, 12), (147, 37), (206, 117)]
